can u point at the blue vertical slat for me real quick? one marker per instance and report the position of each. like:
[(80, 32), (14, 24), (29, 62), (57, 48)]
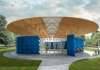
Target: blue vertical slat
[(70, 45)]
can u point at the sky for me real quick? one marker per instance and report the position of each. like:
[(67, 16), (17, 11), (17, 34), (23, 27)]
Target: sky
[(18, 9)]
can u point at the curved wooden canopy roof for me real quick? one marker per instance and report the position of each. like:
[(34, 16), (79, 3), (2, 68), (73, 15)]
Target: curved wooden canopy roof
[(36, 26)]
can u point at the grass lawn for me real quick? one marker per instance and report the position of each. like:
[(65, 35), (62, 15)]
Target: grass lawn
[(16, 64), (86, 64)]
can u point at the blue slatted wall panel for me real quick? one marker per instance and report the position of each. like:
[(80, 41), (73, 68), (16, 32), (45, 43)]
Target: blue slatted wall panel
[(27, 45), (70, 45)]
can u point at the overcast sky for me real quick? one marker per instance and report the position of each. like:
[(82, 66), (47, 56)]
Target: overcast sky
[(16, 9)]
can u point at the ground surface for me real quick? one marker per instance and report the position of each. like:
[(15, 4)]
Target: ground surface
[(62, 62), (50, 62), (16, 64), (86, 64)]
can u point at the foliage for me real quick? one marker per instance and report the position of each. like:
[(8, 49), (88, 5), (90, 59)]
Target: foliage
[(3, 22), (93, 40), (6, 37)]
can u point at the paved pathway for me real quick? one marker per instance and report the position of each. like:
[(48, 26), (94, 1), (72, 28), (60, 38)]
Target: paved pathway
[(50, 62)]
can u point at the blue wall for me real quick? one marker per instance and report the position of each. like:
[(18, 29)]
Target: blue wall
[(79, 42), (30, 44), (27, 45), (70, 45), (73, 44)]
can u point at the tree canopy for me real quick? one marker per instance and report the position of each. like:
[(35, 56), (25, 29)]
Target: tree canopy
[(3, 22), (93, 40), (6, 37)]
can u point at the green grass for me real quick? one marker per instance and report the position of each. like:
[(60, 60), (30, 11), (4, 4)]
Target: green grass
[(16, 64), (86, 64)]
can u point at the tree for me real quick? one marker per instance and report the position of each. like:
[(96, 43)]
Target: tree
[(6, 37), (3, 22), (93, 40)]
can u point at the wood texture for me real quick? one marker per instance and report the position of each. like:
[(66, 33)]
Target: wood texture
[(36, 26)]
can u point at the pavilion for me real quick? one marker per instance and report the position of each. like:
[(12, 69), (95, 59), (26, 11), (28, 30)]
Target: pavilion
[(65, 33)]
